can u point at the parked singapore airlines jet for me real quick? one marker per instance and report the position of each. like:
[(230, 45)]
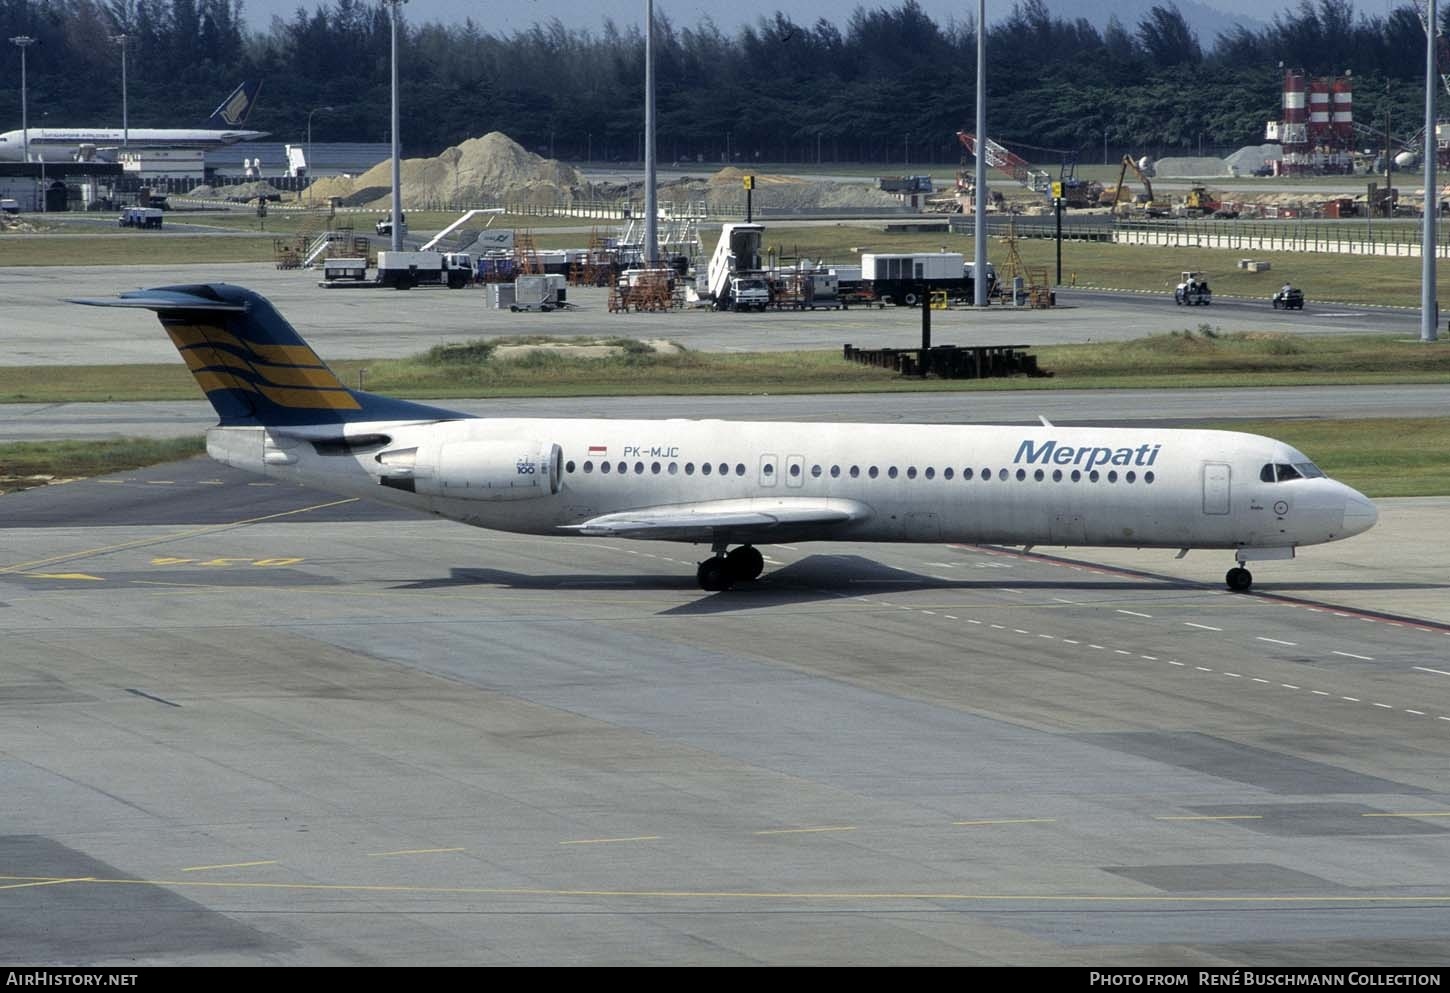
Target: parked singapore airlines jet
[(283, 413), (62, 144)]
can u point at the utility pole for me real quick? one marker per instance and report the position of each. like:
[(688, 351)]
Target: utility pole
[(23, 41), (396, 242), (651, 219), (979, 249), (120, 39), (1429, 299)]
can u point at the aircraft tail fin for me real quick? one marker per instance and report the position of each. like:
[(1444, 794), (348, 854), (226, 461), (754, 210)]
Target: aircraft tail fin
[(236, 108), (253, 366)]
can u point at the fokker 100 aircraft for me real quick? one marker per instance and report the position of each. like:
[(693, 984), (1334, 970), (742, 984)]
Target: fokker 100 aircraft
[(283, 413)]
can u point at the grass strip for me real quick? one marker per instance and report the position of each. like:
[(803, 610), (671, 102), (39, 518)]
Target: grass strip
[(26, 463)]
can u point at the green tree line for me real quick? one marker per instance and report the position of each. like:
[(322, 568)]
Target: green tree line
[(888, 85)]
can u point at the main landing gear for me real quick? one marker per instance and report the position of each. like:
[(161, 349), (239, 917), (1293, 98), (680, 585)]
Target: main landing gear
[(1239, 579), (723, 570)]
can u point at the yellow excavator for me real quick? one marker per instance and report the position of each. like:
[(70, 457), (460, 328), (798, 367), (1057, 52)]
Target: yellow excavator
[(1144, 205)]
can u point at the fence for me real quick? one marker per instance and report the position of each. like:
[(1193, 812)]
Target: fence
[(1386, 238)]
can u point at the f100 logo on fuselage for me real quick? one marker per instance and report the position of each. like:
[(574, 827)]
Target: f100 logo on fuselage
[(1088, 456), (657, 452), (525, 468)]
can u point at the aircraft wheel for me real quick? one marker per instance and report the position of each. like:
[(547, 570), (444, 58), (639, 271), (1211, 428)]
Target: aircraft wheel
[(1239, 579), (714, 574), (745, 563)]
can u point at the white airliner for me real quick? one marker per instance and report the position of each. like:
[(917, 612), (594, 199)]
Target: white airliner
[(283, 413), (64, 144)]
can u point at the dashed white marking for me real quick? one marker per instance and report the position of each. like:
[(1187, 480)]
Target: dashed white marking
[(1340, 613), (1203, 668), (971, 621), (1276, 641), (1289, 686), (1061, 600), (1442, 718), (1071, 642), (999, 627), (1047, 636), (1020, 631), (1417, 713), (1384, 705), (1119, 651), (902, 607), (950, 617), (943, 565), (1098, 647), (1351, 699), (1233, 675), (1205, 627), (1319, 693), (1351, 655), (931, 612), (1008, 589), (772, 561), (1440, 672), (1150, 658), (1171, 662), (1258, 680), (1133, 613)]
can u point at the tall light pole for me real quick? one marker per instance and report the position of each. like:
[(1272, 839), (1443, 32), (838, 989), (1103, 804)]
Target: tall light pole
[(23, 41), (1429, 304), (309, 132), (120, 39), (979, 247), (397, 227), (651, 233)]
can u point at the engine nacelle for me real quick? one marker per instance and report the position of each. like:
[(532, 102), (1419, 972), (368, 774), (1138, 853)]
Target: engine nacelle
[(482, 470)]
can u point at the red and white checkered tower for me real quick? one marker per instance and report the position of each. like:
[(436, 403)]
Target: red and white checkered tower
[(1317, 130)]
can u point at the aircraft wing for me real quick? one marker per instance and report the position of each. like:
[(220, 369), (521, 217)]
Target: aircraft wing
[(734, 520)]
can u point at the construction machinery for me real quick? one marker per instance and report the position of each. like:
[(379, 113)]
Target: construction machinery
[(1198, 202), (1141, 206)]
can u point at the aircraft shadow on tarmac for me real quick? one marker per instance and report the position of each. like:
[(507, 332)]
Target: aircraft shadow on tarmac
[(816, 577)]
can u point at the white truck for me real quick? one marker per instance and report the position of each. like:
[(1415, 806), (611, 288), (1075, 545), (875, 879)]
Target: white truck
[(735, 267), (404, 270)]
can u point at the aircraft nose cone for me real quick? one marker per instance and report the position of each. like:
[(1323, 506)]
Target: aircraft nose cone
[(1359, 513)]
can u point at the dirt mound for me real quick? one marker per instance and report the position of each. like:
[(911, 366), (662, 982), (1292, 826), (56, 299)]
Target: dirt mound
[(248, 190), (1189, 168), (492, 167), (724, 191)]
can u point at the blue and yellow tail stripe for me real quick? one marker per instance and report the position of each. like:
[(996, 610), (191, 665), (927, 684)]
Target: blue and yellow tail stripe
[(290, 376)]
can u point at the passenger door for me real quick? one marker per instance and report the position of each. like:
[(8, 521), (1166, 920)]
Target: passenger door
[(1216, 487)]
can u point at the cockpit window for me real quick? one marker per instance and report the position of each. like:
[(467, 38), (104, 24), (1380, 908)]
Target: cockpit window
[(1287, 471), (1309, 470), (1283, 471), (1266, 474)]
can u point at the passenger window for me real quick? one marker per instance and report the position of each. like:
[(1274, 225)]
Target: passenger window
[(674, 468), (1021, 475), (639, 468), (588, 466), (873, 472), (795, 470), (1076, 475), (1093, 476), (1037, 475), (706, 468), (1112, 475), (947, 473), (768, 469), (689, 468), (1057, 475), (1131, 477), (569, 466), (1266, 474), (654, 468), (930, 473), (891, 472), (816, 472), (835, 472), (855, 471), (739, 468), (1148, 477), (725, 469), (911, 472), (623, 468), (1002, 475), (604, 467)]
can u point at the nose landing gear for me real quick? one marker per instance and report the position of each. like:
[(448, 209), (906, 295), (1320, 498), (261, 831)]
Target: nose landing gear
[(1239, 579), (723, 570)]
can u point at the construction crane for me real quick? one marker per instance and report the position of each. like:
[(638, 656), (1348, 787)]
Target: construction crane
[(1442, 55), (1001, 159)]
